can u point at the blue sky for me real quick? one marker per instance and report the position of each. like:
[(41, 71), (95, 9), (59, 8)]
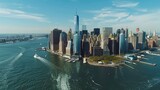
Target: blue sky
[(41, 16)]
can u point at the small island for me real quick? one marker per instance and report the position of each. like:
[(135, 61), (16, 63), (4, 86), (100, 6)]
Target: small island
[(105, 61)]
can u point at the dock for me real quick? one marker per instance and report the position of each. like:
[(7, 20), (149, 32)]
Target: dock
[(151, 64)]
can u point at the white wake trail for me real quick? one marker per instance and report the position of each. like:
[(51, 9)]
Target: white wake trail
[(63, 82)]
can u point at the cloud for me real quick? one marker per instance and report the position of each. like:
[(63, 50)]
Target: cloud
[(19, 14), (107, 15), (132, 18), (125, 4)]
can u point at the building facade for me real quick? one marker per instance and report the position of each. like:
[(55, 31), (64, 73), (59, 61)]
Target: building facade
[(54, 40), (106, 31), (63, 43), (122, 44)]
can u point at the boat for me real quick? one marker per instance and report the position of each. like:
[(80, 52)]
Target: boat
[(84, 60), (139, 57), (43, 48), (35, 56), (148, 52), (142, 55), (154, 64)]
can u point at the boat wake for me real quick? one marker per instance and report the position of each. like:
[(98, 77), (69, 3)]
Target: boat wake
[(63, 82), (7, 60), (46, 62), (96, 83), (16, 58), (78, 66), (22, 49), (43, 60)]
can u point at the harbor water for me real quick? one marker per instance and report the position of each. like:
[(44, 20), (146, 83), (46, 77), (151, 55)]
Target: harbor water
[(19, 70)]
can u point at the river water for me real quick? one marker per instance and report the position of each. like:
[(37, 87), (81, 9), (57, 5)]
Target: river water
[(20, 71)]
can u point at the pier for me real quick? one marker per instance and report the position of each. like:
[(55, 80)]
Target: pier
[(151, 64)]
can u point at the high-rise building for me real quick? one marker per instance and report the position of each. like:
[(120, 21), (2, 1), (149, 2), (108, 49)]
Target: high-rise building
[(141, 40), (77, 44), (154, 33), (96, 31), (92, 33), (84, 32), (133, 42), (76, 37), (113, 44), (70, 35), (69, 48), (84, 27), (76, 24), (126, 39), (54, 40), (126, 33), (63, 43), (122, 43), (106, 31), (85, 46), (122, 31)]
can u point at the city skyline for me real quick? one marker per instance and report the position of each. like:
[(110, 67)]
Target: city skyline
[(42, 16)]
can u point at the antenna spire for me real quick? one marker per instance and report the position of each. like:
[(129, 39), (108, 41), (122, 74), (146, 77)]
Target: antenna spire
[(76, 11)]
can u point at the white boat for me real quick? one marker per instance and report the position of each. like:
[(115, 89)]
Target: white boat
[(139, 57), (84, 60), (148, 52), (43, 48), (35, 56)]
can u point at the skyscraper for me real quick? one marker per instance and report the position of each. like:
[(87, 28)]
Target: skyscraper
[(54, 40), (126, 33), (69, 35), (121, 43), (106, 31), (141, 40), (126, 39), (85, 46), (63, 43), (76, 24), (77, 44), (76, 37), (96, 31), (133, 42), (84, 27), (69, 48)]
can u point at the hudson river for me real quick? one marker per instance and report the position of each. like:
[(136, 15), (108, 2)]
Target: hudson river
[(20, 71)]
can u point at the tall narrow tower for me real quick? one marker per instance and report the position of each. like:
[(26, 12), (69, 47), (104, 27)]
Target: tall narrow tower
[(122, 43), (76, 37), (76, 23)]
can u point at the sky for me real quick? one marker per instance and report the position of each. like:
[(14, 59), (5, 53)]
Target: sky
[(42, 16)]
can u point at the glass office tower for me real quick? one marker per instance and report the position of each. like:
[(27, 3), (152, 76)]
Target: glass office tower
[(76, 37)]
